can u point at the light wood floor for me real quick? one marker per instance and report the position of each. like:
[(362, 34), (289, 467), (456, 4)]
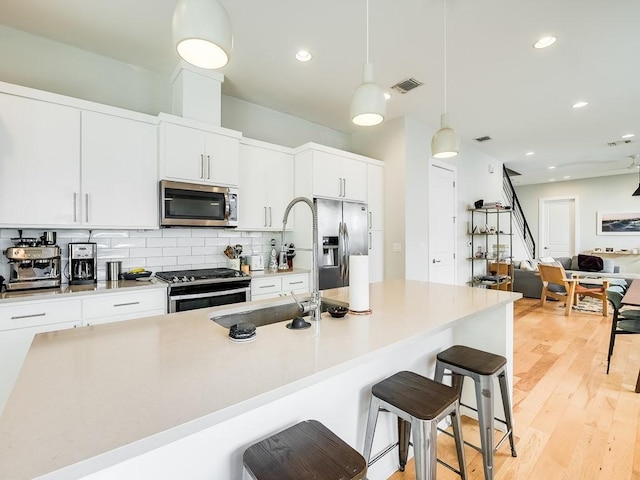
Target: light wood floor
[(572, 421)]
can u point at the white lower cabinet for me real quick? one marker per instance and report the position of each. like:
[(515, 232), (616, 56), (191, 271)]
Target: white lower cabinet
[(274, 286), (123, 306)]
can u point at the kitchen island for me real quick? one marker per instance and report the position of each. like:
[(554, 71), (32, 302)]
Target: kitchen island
[(172, 397)]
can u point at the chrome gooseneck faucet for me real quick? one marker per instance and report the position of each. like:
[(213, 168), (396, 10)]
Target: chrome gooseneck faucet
[(312, 305)]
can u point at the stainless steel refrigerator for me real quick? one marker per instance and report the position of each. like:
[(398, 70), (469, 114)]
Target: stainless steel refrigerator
[(342, 231)]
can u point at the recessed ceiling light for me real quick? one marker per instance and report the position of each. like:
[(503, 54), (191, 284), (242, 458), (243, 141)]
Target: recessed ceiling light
[(628, 135), (545, 42), (528, 154), (303, 56), (551, 167), (387, 95), (580, 104), (566, 176), (552, 179)]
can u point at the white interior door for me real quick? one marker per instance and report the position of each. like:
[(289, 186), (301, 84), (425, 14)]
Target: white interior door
[(442, 224), (558, 227)]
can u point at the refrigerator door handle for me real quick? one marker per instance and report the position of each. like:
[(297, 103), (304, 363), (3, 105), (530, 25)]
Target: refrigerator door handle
[(340, 249), (346, 252)]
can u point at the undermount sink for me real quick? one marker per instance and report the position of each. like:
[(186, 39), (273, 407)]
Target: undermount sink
[(265, 313)]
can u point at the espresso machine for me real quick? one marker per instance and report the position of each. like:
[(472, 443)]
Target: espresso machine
[(83, 263), (33, 264)]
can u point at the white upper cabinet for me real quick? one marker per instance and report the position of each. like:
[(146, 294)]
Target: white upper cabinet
[(266, 183), (339, 177), (119, 172), (197, 155), (39, 162)]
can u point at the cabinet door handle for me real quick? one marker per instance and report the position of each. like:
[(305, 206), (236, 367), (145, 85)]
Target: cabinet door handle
[(339, 187), (344, 187), (266, 286), (270, 219), (75, 207), (436, 261), (370, 220), (86, 207), (370, 241), (296, 283), (32, 315), (125, 304), (208, 167), (265, 216), (202, 166)]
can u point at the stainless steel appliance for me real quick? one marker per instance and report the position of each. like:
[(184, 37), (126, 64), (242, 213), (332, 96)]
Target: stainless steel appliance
[(33, 264), (83, 263), (194, 205), (209, 287), (342, 231)]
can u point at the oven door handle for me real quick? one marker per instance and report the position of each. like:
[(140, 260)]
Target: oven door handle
[(208, 294)]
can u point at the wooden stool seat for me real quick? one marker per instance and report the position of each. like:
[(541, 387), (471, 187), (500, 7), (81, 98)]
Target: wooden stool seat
[(420, 404), (477, 361), (416, 395), (307, 450), (482, 368)]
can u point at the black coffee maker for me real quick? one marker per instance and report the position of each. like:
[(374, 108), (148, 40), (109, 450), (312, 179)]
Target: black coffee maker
[(83, 263)]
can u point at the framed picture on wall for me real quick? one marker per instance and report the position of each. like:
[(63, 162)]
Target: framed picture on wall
[(618, 223)]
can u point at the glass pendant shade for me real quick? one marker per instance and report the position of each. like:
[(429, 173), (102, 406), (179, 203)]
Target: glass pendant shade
[(368, 105), (445, 143), (202, 33)]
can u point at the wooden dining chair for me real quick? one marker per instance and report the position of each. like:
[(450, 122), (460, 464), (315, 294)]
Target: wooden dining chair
[(570, 288)]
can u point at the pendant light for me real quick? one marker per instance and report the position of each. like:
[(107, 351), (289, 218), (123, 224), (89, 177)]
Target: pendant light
[(445, 143), (368, 105), (202, 33)]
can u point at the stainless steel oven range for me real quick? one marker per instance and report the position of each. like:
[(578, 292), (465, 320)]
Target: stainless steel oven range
[(209, 287)]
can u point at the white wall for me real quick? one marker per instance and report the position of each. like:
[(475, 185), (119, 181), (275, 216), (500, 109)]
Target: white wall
[(605, 194), (405, 147)]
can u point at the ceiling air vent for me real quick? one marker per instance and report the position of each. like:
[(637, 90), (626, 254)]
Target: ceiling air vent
[(482, 139), (408, 84), (619, 142)]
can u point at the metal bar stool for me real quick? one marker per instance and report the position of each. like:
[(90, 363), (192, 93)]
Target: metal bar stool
[(482, 367), (307, 450), (420, 404)]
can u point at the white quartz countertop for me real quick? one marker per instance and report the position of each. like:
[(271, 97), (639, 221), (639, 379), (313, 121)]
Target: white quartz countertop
[(105, 393), (74, 291)]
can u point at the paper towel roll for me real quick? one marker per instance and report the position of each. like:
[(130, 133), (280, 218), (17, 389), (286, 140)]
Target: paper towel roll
[(358, 283)]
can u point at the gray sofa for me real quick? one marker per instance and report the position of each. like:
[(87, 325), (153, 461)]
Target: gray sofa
[(529, 284)]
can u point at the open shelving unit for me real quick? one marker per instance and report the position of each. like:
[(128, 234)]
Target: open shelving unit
[(490, 226)]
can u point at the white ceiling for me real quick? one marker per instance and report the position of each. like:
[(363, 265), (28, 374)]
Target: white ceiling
[(498, 85)]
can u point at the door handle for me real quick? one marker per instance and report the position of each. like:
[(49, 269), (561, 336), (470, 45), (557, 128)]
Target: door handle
[(86, 207), (75, 207), (370, 241), (370, 220), (202, 166), (436, 261), (265, 216), (208, 167), (344, 187), (270, 218)]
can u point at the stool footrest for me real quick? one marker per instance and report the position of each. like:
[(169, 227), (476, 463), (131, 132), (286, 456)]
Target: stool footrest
[(382, 453), (475, 447), (499, 420)]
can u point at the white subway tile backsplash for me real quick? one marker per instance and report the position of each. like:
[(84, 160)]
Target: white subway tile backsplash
[(191, 260), (162, 242), (128, 242), (205, 232), (155, 250), (161, 261), (175, 251), (145, 252), (190, 242), (145, 233), (176, 232)]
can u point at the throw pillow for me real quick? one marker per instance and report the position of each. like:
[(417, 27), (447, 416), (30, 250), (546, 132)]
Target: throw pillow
[(526, 265), (590, 263), (547, 260), (608, 265)]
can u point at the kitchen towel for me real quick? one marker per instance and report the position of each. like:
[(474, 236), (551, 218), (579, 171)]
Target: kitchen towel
[(358, 283)]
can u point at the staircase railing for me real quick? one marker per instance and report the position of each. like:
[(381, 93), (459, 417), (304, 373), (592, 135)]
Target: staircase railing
[(520, 221)]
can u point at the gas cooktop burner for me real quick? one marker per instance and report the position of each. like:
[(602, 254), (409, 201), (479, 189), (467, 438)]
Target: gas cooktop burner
[(203, 275)]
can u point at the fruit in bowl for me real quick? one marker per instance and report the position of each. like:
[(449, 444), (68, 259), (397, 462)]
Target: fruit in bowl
[(337, 311)]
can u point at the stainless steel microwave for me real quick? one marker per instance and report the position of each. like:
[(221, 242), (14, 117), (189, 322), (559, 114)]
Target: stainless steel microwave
[(194, 205)]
